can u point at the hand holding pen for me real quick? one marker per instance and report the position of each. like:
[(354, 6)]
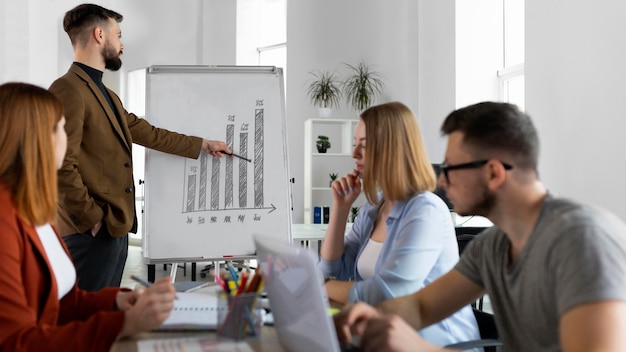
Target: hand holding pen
[(153, 306), (235, 155)]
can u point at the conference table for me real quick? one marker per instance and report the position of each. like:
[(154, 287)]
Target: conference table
[(205, 341), (307, 235), (312, 235), (188, 341)]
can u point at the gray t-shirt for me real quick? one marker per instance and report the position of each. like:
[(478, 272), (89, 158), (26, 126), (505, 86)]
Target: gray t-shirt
[(575, 255)]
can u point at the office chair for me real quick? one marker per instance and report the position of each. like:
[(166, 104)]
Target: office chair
[(469, 230), (464, 235), (489, 338), (463, 240)]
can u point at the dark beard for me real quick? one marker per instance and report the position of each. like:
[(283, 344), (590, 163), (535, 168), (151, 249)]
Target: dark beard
[(112, 59), (484, 206)]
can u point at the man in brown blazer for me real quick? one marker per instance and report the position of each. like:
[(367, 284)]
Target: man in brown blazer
[(96, 188)]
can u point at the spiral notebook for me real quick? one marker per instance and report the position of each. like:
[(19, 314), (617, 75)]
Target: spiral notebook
[(193, 311)]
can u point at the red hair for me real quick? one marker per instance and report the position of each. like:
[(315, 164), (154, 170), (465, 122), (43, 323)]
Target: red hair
[(28, 117)]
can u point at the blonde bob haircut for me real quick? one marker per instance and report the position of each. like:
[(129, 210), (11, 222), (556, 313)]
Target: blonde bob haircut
[(396, 160), (28, 117)]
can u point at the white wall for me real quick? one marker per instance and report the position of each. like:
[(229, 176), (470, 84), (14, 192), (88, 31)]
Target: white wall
[(323, 34), (154, 32), (436, 96), (575, 74), (574, 67)]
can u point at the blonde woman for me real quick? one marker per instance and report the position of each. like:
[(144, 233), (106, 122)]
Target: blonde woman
[(403, 238)]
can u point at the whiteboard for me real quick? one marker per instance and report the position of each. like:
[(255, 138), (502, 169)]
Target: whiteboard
[(209, 208)]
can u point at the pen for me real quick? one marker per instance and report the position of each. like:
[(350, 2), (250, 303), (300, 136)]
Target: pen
[(239, 156), (222, 283), (233, 275), (144, 282), (242, 285), (254, 282), (250, 321)]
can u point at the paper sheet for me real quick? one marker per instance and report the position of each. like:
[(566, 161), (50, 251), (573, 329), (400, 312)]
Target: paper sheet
[(193, 311), (190, 344)]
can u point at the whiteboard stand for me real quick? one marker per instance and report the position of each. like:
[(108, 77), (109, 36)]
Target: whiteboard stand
[(151, 263), (215, 205), (173, 272)]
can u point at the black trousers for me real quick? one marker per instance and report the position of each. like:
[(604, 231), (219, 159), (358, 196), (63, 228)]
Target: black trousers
[(99, 260)]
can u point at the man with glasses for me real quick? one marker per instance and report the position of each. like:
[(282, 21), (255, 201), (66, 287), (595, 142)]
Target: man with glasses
[(554, 269)]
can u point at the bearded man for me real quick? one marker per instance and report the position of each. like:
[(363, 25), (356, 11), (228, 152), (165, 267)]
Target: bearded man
[(96, 188)]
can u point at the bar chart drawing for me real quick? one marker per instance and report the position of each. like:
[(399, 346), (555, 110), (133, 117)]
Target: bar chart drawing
[(221, 194), (201, 206)]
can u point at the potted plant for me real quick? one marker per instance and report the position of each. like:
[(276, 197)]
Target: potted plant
[(322, 144), (324, 92), (333, 177), (362, 86)]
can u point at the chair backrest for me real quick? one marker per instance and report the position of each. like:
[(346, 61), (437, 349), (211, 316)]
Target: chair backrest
[(465, 235), (486, 324), (463, 241), (489, 339), (469, 230)]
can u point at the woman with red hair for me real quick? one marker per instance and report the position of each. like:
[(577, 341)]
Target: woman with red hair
[(41, 308)]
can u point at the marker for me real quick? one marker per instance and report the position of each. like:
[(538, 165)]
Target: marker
[(222, 283), (144, 282), (242, 285), (239, 156), (233, 275)]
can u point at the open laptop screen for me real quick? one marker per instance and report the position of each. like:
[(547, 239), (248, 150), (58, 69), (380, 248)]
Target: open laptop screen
[(298, 301)]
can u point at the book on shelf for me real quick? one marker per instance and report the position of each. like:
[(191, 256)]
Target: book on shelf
[(326, 214), (317, 215)]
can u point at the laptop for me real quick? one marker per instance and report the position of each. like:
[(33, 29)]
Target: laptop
[(297, 298)]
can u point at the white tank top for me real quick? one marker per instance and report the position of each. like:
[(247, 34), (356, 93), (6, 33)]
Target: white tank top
[(368, 258), (62, 266)]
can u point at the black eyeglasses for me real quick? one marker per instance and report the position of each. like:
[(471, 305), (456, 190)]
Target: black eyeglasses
[(471, 165)]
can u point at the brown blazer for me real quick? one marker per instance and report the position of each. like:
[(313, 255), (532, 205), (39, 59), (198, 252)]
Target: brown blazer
[(31, 316), (96, 179)]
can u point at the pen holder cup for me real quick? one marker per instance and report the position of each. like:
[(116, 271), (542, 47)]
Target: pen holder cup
[(237, 316)]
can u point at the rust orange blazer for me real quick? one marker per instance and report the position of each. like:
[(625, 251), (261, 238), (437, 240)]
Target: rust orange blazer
[(31, 316)]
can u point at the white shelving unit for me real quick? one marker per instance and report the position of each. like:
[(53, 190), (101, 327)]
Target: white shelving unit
[(317, 166)]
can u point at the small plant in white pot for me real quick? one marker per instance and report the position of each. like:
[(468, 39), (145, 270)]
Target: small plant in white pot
[(324, 92), (333, 177), (322, 144), (362, 86)]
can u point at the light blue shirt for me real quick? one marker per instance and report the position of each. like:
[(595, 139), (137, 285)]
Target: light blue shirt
[(419, 248)]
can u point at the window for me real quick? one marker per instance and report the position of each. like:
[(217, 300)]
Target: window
[(262, 33), (511, 75)]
